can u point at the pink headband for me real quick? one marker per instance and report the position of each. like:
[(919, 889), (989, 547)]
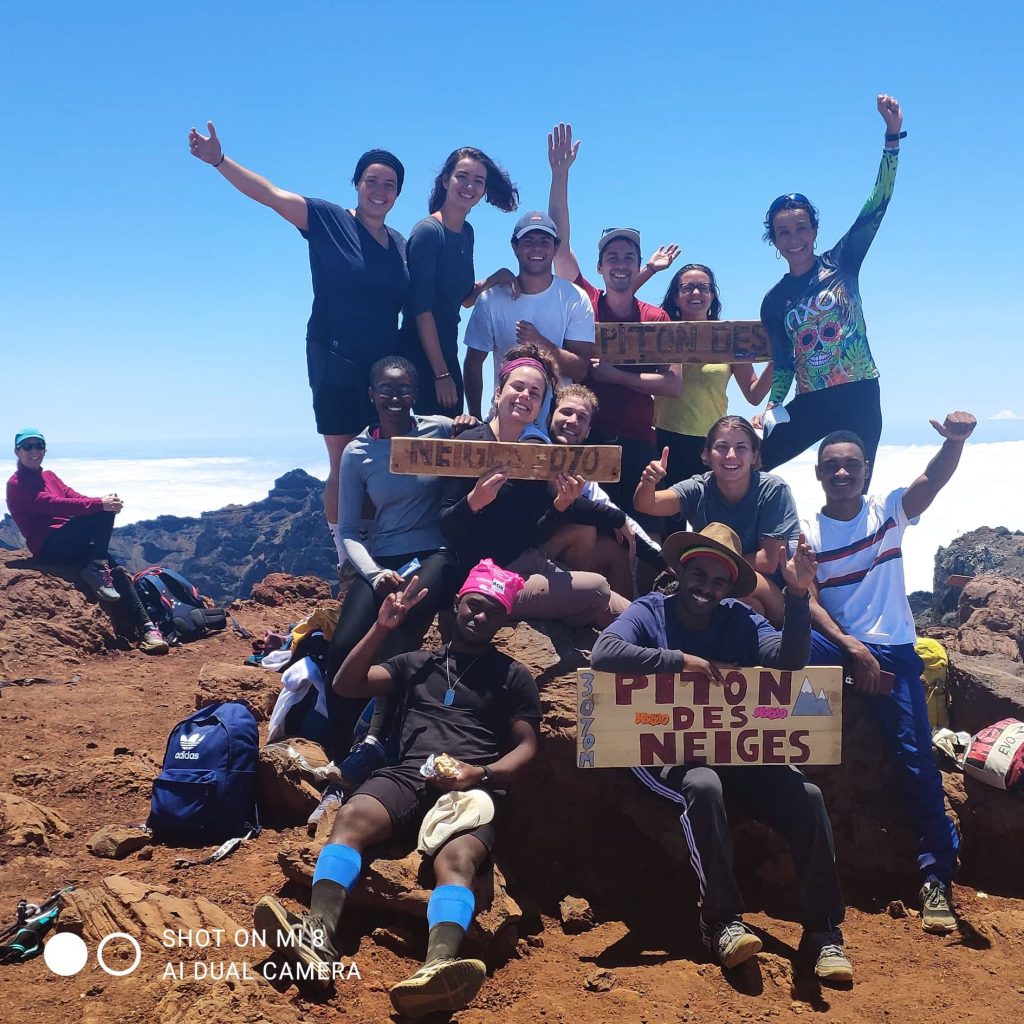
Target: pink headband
[(711, 553), (507, 368), (491, 580)]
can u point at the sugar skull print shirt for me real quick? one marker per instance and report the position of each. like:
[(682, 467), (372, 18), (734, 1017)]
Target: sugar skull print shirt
[(815, 321)]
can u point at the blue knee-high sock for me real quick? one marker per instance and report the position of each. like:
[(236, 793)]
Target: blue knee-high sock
[(449, 914), (336, 871)]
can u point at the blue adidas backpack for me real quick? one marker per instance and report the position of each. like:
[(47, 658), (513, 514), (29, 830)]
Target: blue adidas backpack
[(206, 791)]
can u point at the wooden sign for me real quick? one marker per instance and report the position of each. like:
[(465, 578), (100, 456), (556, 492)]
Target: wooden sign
[(756, 716), (432, 456), (684, 341)]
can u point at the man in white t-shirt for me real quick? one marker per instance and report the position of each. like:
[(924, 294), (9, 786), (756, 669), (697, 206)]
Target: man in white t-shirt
[(860, 581), (548, 311)]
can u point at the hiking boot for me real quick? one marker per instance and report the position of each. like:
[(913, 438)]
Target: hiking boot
[(830, 960), (96, 576), (153, 641), (300, 940), (361, 764), (937, 915), (733, 943), (443, 986)]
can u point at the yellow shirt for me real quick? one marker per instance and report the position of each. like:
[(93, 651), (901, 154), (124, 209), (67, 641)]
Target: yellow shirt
[(701, 402)]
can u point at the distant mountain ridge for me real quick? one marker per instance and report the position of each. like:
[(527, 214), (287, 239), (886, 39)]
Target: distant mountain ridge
[(226, 551)]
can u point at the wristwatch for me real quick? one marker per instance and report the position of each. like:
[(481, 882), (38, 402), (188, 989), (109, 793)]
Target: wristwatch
[(488, 777)]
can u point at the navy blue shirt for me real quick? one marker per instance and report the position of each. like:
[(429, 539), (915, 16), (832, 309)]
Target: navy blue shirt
[(359, 288)]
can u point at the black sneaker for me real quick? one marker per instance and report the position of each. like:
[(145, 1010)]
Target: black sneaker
[(830, 960), (443, 986), (733, 943), (937, 914), (96, 576), (300, 940)]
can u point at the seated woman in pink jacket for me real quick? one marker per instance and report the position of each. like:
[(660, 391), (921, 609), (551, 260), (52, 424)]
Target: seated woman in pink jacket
[(63, 527)]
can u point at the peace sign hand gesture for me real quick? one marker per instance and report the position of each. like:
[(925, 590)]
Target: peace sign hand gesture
[(396, 606), (205, 147)]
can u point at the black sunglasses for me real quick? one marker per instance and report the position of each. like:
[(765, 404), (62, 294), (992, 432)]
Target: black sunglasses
[(795, 197), (32, 446), (402, 391)]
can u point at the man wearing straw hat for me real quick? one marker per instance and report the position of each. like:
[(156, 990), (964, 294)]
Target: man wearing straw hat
[(703, 627)]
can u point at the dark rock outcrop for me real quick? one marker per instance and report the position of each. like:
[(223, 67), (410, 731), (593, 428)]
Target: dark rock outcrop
[(225, 552), (984, 550)]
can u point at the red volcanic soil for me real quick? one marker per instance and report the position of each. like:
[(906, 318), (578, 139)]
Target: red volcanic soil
[(86, 751)]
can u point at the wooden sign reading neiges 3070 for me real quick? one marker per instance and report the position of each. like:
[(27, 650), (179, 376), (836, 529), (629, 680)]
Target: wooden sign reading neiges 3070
[(697, 341), (430, 456)]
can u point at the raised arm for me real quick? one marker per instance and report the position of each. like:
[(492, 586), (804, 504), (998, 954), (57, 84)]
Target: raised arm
[(561, 156), (663, 258), (956, 428), (358, 675), (289, 205), (853, 246)]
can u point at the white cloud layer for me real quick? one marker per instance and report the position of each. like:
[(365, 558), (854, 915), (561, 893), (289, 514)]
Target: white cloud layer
[(1006, 414), (987, 490)]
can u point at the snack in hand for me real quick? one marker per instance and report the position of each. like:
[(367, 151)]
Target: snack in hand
[(446, 766)]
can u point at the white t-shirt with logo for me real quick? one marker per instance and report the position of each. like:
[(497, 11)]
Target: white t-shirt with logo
[(562, 312), (860, 570)]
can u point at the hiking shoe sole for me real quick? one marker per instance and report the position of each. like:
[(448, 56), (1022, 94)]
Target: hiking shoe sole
[(444, 987), (742, 950), (939, 924), (279, 929)]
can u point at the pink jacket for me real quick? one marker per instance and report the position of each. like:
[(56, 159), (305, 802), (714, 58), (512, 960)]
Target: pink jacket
[(39, 501)]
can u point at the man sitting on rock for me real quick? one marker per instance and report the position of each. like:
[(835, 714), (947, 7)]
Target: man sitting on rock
[(858, 541), (467, 700), (63, 527), (704, 628)]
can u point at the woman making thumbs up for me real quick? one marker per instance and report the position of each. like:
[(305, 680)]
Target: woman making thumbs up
[(757, 505)]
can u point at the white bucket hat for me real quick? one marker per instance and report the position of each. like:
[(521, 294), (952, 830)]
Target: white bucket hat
[(454, 812)]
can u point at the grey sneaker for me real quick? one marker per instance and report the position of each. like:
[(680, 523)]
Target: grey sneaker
[(830, 960), (300, 940), (443, 986), (153, 641), (733, 943), (937, 914), (96, 576)]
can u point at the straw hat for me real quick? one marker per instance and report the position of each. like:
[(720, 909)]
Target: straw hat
[(721, 539)]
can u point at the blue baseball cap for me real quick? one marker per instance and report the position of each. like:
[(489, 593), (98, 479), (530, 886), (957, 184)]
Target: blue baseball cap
[(535, 220), (25, 433)]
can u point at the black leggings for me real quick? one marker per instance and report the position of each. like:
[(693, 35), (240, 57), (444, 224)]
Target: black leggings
[(856, 407), (439, 573), (79, 541)]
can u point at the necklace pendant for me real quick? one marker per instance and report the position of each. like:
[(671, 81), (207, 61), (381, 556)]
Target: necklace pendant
[(449, 698)]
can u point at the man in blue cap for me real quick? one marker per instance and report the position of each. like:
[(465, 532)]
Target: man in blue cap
[(63, 527)]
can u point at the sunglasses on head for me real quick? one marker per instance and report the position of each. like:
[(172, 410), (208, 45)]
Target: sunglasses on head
[(32, 446), (795, 197)]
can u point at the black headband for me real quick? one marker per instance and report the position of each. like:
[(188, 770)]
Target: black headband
[(380, 156)]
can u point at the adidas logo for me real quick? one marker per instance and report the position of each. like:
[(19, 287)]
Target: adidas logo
[(188, 743)]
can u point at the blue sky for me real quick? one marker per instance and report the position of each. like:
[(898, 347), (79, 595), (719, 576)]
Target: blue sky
[(127, 266)]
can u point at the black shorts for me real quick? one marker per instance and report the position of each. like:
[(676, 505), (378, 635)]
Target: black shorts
[(342, 408), (407, 797), (340, 386)]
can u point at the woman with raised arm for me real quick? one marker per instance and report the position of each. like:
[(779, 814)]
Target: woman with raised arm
[(510, 520), (682, 422), (441, 277), (759, 507), (360, 283), (815, 320)]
